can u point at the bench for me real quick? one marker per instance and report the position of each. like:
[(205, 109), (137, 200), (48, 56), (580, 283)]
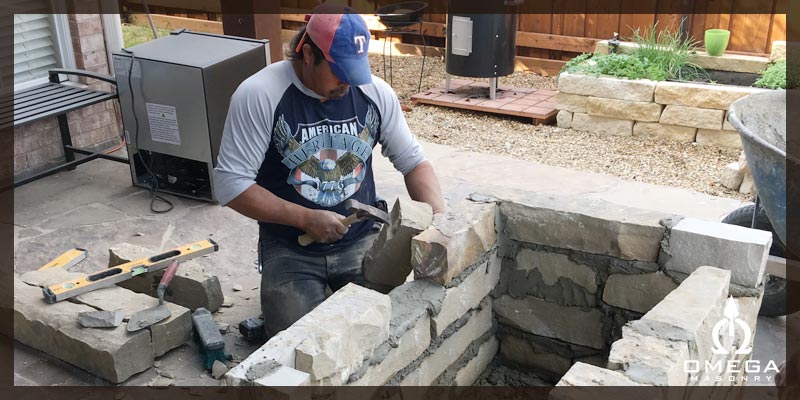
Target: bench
[(55, 99)]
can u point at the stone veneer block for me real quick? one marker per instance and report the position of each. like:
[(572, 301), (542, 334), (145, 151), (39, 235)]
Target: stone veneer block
[(571, 102), (640, 292), (456, 240), (280, 349), (676, 133), (564, 119), (650, 360), (608, 87), (742, 251), (589, 226), (343, 331), (388, 261), (467, 294), (112, 354), (520, 352), (688, 313), (543, 318), (703, 118), (602, 125), (588, 375), (721, 138), (718, 97), (553, 266), (399, 354), (192, 287), (623, 109), (451, 348), (166, 335), (467, 375), (732, 62)]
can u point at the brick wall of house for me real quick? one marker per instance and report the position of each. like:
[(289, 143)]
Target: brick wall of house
[(38, 146)]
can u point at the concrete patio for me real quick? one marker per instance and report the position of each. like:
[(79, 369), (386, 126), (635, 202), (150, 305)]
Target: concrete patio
[(95, 207)]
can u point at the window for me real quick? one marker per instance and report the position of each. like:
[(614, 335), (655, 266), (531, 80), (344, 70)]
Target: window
[(41, 42)]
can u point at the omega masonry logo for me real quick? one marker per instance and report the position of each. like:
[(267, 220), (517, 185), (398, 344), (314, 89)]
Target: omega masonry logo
[(725, 366)]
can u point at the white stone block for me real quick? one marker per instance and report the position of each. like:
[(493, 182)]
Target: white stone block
[(688, 313), (718, 97), (623, 109), (343, 331), (467, 375), (571, 102), (703, 118), (468, 294), (564, 119), (650, 360), (732, 176), (608, 87), (602, 125), (676, 133), (582, 374), (719, 138), (743, 251)]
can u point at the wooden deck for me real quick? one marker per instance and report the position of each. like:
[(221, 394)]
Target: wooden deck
[(537, 104)]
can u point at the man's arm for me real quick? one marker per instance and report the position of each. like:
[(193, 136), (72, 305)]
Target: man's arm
[(423, 185), (262, 205)]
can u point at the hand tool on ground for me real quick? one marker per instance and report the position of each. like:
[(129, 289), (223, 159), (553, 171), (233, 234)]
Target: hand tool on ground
[(143, 319), (207, 336), (360, 211), (68, 259), (252, 329), (108, 277)]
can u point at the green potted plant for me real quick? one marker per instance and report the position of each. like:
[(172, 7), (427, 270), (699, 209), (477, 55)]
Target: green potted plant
[(716, 41)]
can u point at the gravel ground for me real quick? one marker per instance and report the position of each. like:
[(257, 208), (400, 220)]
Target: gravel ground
[(656, 161)]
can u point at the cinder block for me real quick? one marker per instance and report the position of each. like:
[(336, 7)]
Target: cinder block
[(455, 241), (543, 318), (742, 251), (703, 118), (112, 354), (588, 375), (388, 262), (639, 292), (451, 348), (590, 226), (650, 360), (192, 287), (468, 294), (343, 331), (688, 313), (166, 335), (467, 375), (612, 88)]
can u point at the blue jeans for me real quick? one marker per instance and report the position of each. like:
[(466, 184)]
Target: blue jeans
[(292, 284)]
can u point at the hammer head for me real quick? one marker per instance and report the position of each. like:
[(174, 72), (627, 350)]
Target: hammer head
[(364, 211)]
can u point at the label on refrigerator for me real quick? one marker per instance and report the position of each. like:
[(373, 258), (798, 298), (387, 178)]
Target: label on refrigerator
[(163, 121)]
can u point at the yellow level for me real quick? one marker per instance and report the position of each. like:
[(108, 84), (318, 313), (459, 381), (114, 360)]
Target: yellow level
[(66, 260), (108, 277)]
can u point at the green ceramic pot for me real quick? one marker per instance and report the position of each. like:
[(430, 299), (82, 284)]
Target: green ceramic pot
[(716, 41)]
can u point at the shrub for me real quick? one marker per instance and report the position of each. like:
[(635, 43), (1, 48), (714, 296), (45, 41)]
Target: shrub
[(773, 77)]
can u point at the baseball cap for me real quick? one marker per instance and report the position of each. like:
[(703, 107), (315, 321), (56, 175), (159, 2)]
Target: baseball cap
[(344, 41)]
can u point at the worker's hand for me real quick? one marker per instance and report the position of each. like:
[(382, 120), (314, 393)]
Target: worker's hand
[(324, 226)]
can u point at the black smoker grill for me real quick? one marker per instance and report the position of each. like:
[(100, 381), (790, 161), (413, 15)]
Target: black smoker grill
[(480, 45)]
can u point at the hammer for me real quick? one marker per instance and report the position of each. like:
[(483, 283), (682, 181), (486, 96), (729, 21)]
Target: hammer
[(360, 212)]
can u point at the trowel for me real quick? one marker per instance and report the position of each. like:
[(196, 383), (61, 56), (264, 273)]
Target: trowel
[(143, 319)]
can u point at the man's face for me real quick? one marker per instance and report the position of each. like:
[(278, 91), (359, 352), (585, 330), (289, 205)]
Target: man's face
[(326, 83)]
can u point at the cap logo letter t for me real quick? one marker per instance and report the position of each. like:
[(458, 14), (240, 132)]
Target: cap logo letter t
[(360, 40)]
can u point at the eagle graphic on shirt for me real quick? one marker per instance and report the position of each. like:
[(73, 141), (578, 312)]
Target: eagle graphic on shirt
[(327, 158)]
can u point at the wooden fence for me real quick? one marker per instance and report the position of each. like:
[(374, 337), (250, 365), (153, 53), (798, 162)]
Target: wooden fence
[(557, 32)]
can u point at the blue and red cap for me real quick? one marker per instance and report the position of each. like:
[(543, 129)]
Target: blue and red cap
[(344, 41)]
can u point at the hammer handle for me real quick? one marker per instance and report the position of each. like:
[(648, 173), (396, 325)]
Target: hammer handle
[(305, 240)]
